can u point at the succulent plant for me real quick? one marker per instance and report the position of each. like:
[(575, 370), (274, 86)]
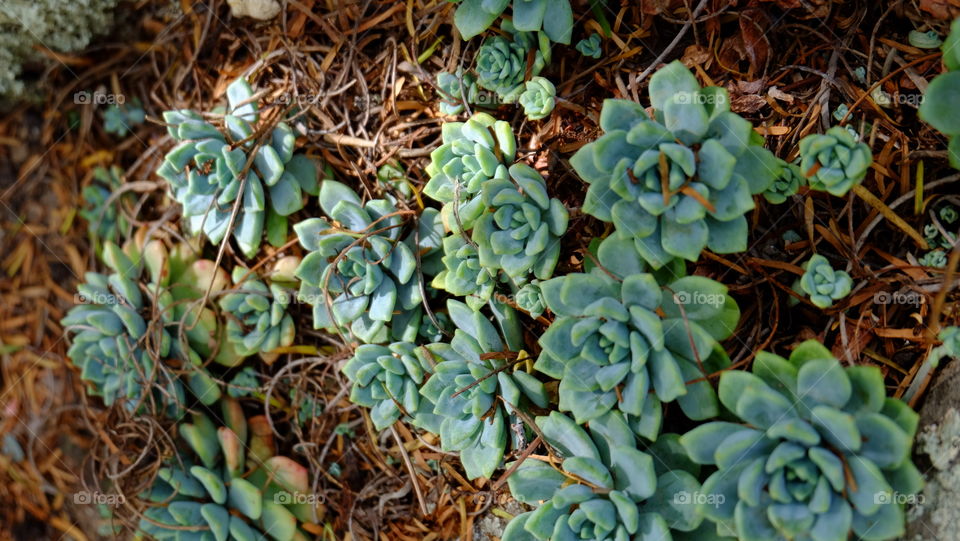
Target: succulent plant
[(472, 153), (455, 88), (387, 380), (230, 485), (361, 272), (934, 258), (615, 340), (257, 318), (538, 98), (834, 162), (520, 229), (529, 298), (501, 62), (105, 219), (937, 108), (244, 383), (118, 119), (463, 275), (122, 357), (210, 169), (681, 182), (605, 488), (822, 283), (816, 450), (949, 214), (392, 176), (474, 388), (553, 17), (785, 185), (590, 47)]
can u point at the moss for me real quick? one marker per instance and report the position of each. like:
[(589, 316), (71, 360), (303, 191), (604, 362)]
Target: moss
[(937, 510), (60, 25)]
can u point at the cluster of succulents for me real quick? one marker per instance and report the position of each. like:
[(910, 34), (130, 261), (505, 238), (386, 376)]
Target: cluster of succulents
[(823, 283), (814, 451), (538, 98), (501, 62), (681, 181), (257, 318), (553, 17), (362, 272), (835, 161), (101, 209), (937, 108), (123, 355), (230, 485), (230, 175)]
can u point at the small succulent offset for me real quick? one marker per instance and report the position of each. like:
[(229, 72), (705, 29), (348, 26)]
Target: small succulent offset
[(939, 101), (361, 273), (454, 89), (257, 318), (834, 162), (529, 298), (785, 185), (520, 228), (606, 489), (106, 221), (680, 182), (118, 119), (474, 389), (822, 283), (110, 342), (553, 17), (501, 62), (230, 486), (590, 47), (934, 258), (538, 98), (614, 341), (462, 273), (472, 153), (817, 450), (212, 171), (387, 380)]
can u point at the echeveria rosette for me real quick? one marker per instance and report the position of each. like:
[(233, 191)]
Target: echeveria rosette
[(785, 185), (538, 98), (454, 89), (934, 258), (614, 340), (227, 483), (713, 160), (817, 450), (520, 229), (257, 319), (387, 380), (110, 342), (472, 392), (605, 489), (462, 273), (361, 272), (501, 62), (206, 173), (553, 17), (472, 153), (529, 298), (590, 47), (834, 162), (822, 283)]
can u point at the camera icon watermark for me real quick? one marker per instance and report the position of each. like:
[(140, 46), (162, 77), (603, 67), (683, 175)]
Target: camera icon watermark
[(85, 97), (282, 497), (698, 498), (909, 298), (884, 498), (699, 298), (97, 498)]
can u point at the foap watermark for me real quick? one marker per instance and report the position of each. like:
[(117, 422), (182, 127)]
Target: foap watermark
[(911, 298), (699, 298), (282, 497), (701, 98), (85, 97), (698, 498), (883, 498), (98, 498), (96, 297)]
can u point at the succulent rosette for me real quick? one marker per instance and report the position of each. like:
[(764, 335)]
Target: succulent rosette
[(529, 298), (824, 284), (816, 450), (462, 274), (454, 89), (473, 388), (520, 229), (834, 162), (501, 62), (257, 320), (210, 169), (785, 185), (227, 483), (590, 47), (538, 98), (361, 270), (681, 181), (604, 488), (633, 343)]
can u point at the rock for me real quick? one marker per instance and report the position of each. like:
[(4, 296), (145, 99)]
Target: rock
[(263, 10)]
